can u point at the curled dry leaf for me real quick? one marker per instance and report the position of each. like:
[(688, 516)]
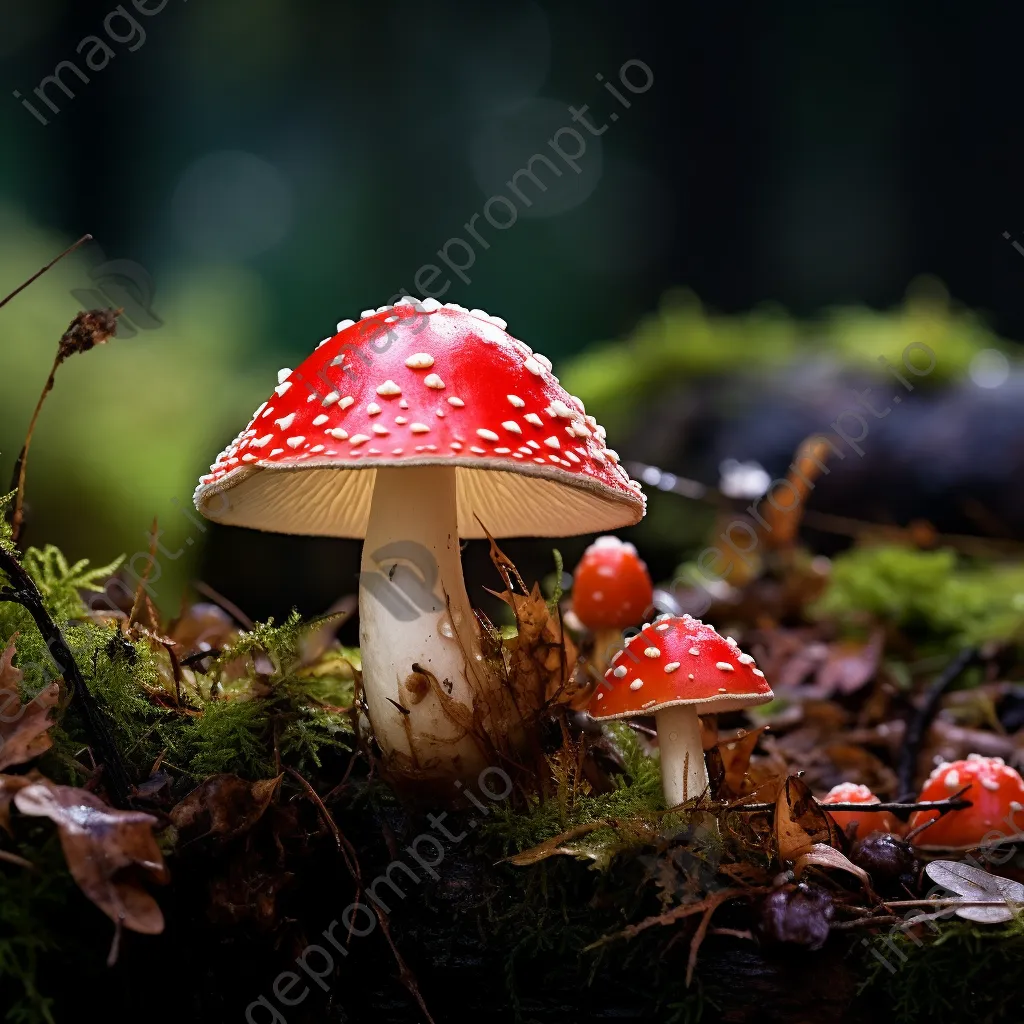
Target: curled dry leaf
[(736, 754), (822, 856), (24, 728), (800, 823), (107, 851), (977, 886), (224, 806)]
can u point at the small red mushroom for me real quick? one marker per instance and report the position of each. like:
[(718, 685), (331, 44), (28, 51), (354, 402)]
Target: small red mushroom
[(611, 590), (869, 821), (677, 668), (996, 793)]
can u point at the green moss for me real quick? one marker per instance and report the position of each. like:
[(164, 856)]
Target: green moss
[(931, 594), (962, 966)]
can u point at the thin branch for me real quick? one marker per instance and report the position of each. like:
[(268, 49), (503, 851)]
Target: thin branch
[(39, 273), (922, 718), (952, 804)]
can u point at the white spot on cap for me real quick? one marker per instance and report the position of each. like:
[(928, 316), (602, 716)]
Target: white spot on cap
[(543, 360), (534, 444), (745, 659), (662, 626), (282, 388), (380, 430), (345, 324), (401, 420), (286, 421), (758, 672), (430, 305), (487, 435), (358, 439), (338, 434), (502, 451), (533, 366), (573, 456), (261, 442), (457, 403), (724, 666), (532, 417), (420, 428), (695, 651), (346, 402), (420, 361), (247, 457), (295, 442), (611, 455), (652, 652), (330, 399), (478, 451), (512, 426), (388, 388), (637, 684), (283, 374), (373, 409), (516, 401), (672, 666), (953, 779), (559, 408), (552, 442), (619, 671), (456, 446), (277, 451), (320, 420), (433, 381)]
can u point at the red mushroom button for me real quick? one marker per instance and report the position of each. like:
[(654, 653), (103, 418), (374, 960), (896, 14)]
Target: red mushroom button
[(416, 426), (677, 668), (850, 821), (996, 793), (611, 590)]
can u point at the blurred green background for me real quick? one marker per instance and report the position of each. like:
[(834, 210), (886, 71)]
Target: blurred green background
[(798, 180)]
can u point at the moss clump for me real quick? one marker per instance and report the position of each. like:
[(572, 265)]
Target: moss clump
[(928, 594), (938, 978)]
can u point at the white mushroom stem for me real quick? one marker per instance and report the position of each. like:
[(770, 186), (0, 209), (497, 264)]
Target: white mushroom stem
[(683, 772), (414, 613)]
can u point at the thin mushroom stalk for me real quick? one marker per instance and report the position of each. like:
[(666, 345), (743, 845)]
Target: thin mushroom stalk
[(417, 630), (684, 775)]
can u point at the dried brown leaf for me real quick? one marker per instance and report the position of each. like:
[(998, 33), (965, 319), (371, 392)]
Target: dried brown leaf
[(224, 806), (107, 851), (822, 856), (800, 823), (24, 728), (736, 753)]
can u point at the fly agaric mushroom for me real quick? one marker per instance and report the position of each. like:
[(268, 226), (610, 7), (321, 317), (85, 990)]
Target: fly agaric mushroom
[(872, 821), (677, 668), (996, 793), (419, 425), (611, 590)]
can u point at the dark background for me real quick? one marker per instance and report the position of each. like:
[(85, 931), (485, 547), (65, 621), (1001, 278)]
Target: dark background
[(799, 154)]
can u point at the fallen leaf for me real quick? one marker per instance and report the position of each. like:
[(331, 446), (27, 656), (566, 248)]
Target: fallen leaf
[(822, 856), (975, 886), (736, 754), (106, 851), (24, 728), (850, 665), (9, 785), (800, 823), (224, 806)]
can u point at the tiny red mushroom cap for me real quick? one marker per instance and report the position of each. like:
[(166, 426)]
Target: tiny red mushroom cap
[(611, 586), (679, 660), (872, 821), (419, 384), (996, 794)]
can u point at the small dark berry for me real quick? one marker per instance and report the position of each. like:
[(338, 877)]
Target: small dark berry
[(799, 914), (885, 857)]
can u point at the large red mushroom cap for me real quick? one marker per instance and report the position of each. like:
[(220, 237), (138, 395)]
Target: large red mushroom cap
[(870, 821), (996, 793), (422, 384), (679, 660), (611, 586)]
